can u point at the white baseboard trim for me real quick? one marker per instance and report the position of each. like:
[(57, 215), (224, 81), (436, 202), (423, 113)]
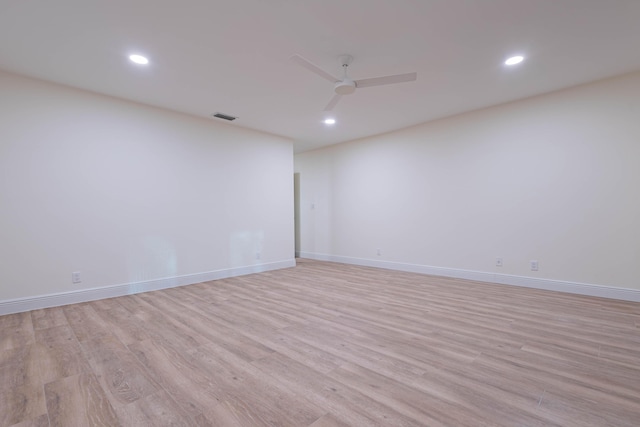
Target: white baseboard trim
[(84, 295), (625, 294)]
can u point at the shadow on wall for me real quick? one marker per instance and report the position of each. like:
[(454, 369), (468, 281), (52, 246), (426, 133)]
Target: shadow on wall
[(245, 248), (154, 258)]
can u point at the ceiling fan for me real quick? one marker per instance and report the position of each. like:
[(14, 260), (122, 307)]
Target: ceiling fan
[(346, 85)]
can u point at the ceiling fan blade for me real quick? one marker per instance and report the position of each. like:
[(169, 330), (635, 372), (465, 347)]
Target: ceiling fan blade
[(303, 62), (333, 102), (386, 80)]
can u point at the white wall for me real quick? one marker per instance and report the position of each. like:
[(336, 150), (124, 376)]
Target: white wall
[(554, 178), (127, 193)]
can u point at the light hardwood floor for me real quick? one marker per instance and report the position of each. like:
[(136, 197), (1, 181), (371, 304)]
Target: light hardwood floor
[(325, 344)]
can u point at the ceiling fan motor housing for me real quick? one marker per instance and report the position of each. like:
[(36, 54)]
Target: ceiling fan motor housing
[(345, 87)]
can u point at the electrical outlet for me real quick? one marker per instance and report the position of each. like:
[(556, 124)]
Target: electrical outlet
[(378, 252), (498, 261), (534, 265), (75, 277), (257, 255)]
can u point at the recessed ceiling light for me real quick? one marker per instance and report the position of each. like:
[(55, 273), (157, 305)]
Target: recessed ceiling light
[(329, 122), (514, 60), (139, 59)]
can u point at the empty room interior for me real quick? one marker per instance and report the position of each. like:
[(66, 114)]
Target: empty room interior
[(320, 213)]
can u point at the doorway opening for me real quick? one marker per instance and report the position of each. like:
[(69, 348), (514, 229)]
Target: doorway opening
[(296, 213)]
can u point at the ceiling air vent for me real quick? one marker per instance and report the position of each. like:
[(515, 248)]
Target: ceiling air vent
[(224, 116)]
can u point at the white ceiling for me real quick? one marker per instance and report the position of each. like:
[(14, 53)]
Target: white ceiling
[(233, 56)]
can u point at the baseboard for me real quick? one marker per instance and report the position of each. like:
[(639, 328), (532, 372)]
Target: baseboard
[(481, 276), (84, 295)]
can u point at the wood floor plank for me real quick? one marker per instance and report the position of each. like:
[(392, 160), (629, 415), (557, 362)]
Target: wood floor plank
[(329, 420), (48, 318), (21, 396), (59, 353), (120, 374), (85, 322), (194, 391), (221, 414), (343, 402), (162, 326), (41, 421), (157, 409), (208, 329), (241, 383), (79, 401), (122, 323), (16, 331), (570, 378), (569, 410), (20, 404), (325, 344), (12, 321), (12, 367), (424, 408)]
